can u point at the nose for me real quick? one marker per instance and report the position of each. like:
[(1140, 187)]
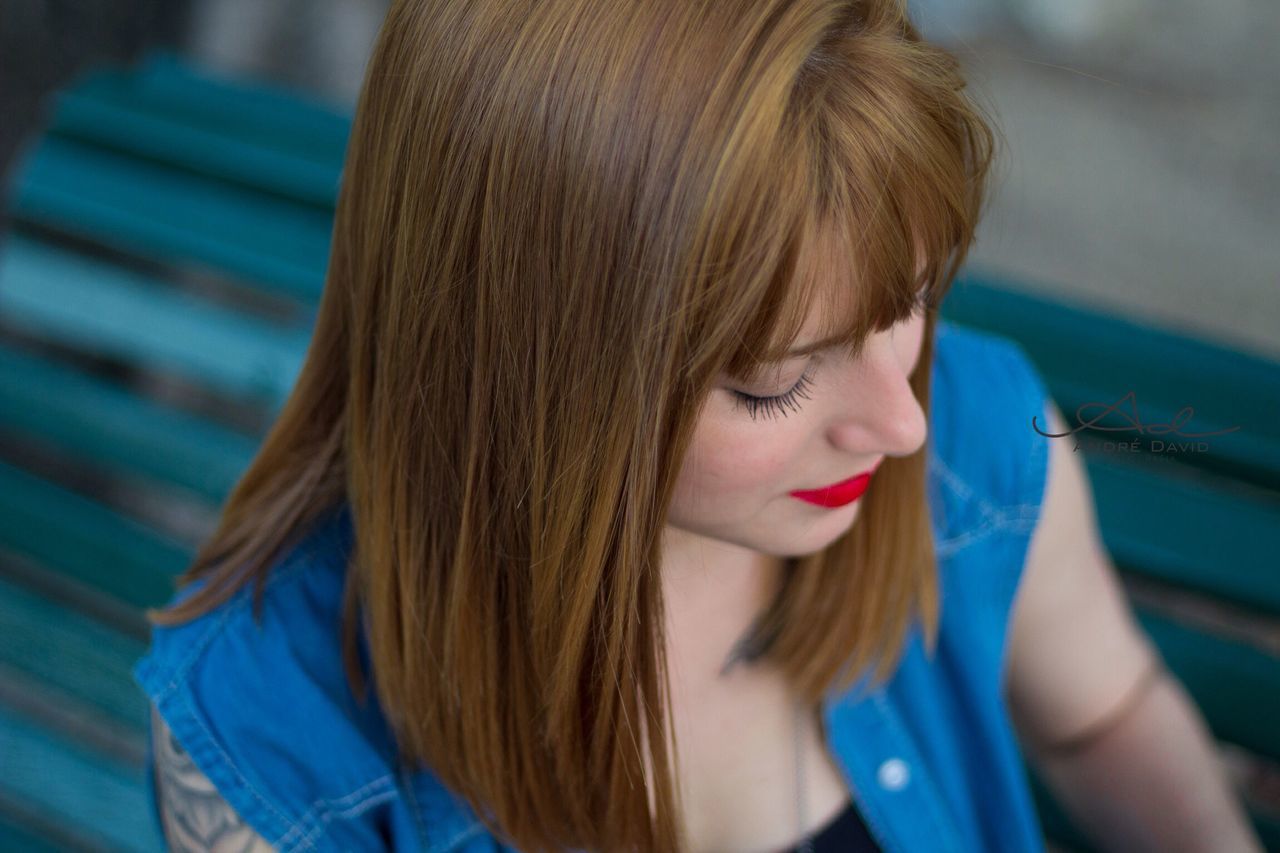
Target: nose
[(876, 411)]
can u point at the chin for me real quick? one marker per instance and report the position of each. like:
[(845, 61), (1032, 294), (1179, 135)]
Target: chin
[(820, 532), (813, 535)]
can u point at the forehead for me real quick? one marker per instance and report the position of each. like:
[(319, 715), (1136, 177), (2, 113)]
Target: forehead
[(842, 299)]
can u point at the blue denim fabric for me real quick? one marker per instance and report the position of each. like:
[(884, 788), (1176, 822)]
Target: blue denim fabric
[(931, 758)]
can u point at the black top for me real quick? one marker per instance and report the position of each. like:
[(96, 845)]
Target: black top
[(844, 833)]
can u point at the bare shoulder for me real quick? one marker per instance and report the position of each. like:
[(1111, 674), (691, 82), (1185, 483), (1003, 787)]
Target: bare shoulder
[(1076, 648), (194, 815)]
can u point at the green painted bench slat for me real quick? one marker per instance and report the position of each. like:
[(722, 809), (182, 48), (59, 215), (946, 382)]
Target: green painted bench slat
[(99, 797), (112, 311), (175, 216), (112, 429), (1233, 684), (86, 541), (84, 660), (1055, 822), (267, 115), (113, 117), (1058, 826), (1191, 528), (15, 837), (1206, 522), (1087, 356)]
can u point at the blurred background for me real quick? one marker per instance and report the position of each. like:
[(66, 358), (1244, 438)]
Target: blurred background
[(169, 171), (1143, 163)]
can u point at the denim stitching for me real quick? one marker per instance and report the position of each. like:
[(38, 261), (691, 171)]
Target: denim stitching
[(950, 477), (1034, 396), (414, 806), (291, 568), (968, 537), (1014, 518), (233, 606), (185, 698), (462, 836), (1019, 518), (965, 492), (179, 672), (322, 811)]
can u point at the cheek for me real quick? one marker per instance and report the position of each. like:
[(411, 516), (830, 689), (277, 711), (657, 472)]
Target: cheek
[(733, 461)]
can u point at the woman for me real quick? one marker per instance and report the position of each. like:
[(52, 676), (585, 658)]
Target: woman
[(626, 302)]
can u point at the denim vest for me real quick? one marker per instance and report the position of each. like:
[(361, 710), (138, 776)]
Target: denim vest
[(266, 712)]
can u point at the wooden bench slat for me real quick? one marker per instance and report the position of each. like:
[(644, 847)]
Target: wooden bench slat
[(116, 430), (87, 541), (1087, 356), (1194, 530), (1054, 821), (111, 311), (113, 116), (274, 116), (73, 654), (1234, 684), (1058, 826), (100, 798), (175, 216), (15, 837)]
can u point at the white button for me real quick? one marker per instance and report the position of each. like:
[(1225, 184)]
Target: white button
[(893, 774)]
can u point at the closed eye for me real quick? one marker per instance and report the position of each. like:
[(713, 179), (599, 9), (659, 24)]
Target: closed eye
[(775, 405)]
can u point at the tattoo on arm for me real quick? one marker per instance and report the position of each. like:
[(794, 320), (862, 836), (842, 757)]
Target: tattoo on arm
[(194, 815)]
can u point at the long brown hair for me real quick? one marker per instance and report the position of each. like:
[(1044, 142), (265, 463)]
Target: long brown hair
[(558, 221)]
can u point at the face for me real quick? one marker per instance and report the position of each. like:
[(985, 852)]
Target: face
[(832, 418)]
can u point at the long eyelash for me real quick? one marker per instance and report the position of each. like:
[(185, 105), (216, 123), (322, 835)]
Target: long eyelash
[(773, 406)]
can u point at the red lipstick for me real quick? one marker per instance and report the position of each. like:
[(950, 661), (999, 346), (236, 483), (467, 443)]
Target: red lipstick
[(837, 494)]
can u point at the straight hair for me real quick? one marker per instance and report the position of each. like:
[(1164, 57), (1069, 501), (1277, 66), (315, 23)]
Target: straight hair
[(558, 221)]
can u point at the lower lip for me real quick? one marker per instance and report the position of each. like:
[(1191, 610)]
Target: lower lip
[(840, 494)]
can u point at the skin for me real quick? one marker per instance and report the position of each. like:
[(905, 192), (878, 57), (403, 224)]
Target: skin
[(1148, 776), (731, 519), (192, 812), (730, 524)]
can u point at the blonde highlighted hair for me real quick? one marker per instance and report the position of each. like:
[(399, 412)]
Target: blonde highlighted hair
[(558, 221)]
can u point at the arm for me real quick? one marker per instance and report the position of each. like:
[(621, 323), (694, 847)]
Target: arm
[(1113, 734), (194, 815)]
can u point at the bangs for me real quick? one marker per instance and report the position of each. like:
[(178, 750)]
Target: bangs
[(895, 176), (850, 303)]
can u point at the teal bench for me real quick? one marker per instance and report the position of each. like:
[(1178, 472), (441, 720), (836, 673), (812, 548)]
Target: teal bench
[(157, 293), (1196, 535)]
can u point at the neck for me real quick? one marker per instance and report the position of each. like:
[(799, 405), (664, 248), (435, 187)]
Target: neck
[(713, 592)]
